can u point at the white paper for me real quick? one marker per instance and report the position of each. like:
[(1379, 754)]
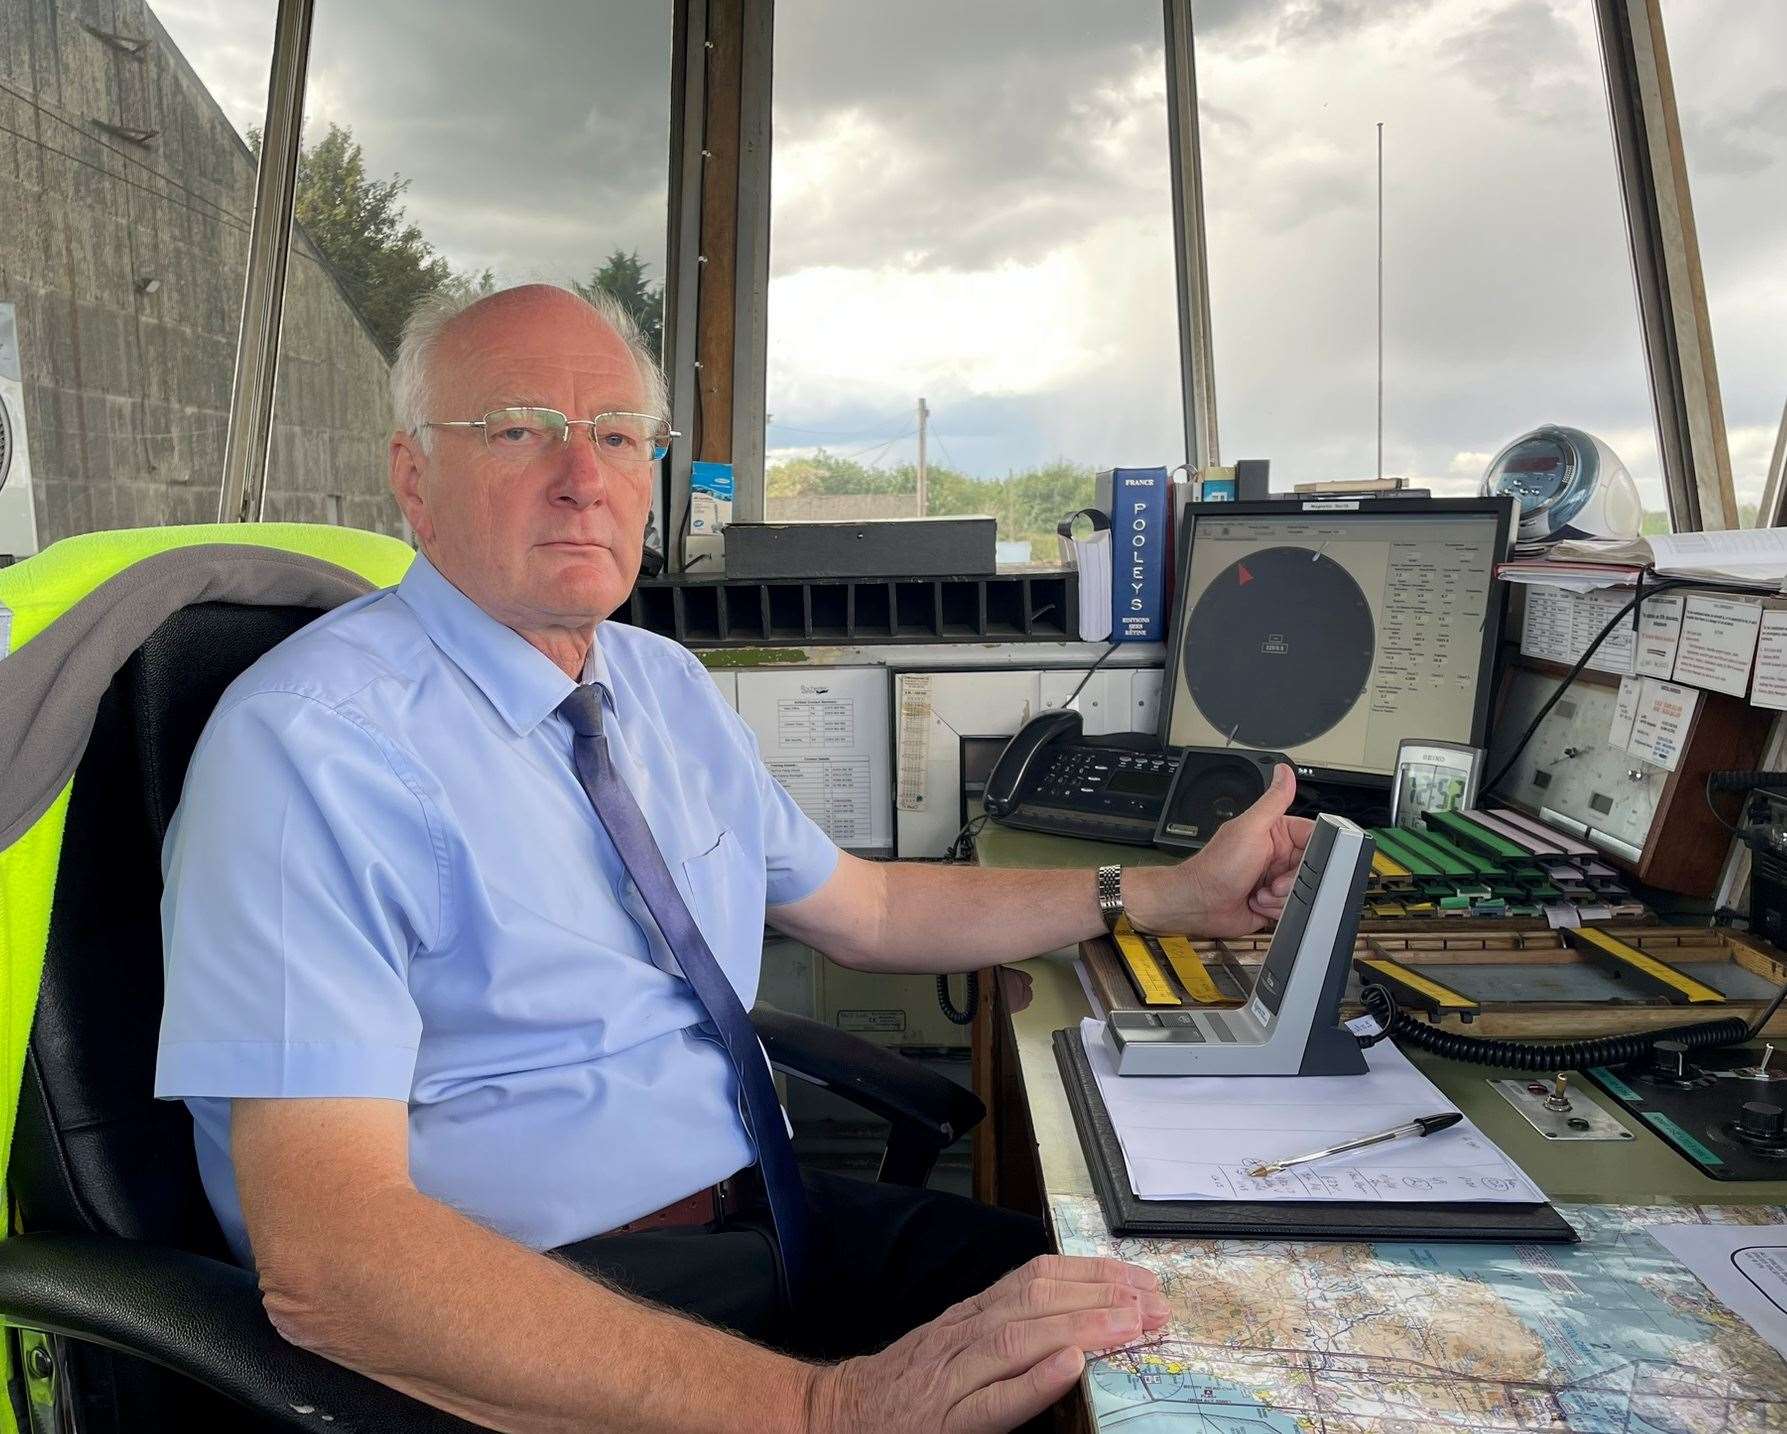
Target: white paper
[(1744, 1265), (1560, 625), (1770, 689), (1746, 554), (914, 691), (1660, 727), (824, 737), (1092, 558), (1625, 712), (1659, 631), (1718, 641), (1559, 575), (1190, 1137)]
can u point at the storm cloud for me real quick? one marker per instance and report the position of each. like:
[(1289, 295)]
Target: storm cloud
[(972, 202)]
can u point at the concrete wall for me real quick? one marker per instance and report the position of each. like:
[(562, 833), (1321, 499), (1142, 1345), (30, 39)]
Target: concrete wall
[(127, 393)]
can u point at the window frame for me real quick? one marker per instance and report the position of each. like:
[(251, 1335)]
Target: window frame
[(243, 484), (717, 276)]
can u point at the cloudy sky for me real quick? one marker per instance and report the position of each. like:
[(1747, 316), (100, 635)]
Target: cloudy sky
[(535, 134), (970, 202)]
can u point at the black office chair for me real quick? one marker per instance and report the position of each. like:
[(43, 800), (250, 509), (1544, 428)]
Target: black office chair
[(120, 1262)]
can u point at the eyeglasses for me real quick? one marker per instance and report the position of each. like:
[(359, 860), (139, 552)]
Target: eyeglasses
[(523, 434)]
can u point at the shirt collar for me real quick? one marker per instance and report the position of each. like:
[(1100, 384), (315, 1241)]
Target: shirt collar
[(521, 682)]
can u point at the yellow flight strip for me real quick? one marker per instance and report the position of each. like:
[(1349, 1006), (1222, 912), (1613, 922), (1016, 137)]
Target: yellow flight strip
[(1150, 981), (1444, 997), (1385, 865), (1189, 968), (1694, 992)]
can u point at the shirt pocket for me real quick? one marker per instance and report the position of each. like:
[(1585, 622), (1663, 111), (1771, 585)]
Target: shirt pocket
[(725, 894)]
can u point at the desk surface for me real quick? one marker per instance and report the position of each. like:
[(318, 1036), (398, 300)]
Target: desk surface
[(1427, 1297), (1644, 1171)]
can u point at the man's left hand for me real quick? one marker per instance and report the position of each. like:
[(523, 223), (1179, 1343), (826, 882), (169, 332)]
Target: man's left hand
[(1237, 883)]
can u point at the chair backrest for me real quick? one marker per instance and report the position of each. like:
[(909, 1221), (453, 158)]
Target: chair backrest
[(94, 1150)]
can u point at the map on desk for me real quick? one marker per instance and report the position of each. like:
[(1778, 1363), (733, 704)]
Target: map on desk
[(1609, 1335)]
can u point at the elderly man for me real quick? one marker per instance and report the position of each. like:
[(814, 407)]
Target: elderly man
[(464, 907)]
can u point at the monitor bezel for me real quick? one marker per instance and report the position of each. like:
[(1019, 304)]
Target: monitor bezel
[(1502, 508)]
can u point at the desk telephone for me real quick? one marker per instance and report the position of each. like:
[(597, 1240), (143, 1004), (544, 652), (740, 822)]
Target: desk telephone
[(1053, 778), (1121, 788)]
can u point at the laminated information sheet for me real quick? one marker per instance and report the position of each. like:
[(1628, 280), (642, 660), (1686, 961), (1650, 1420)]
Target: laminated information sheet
[(1660, 724), (1659, 632), (1718, 643), (1560, 625), (1770, 689)]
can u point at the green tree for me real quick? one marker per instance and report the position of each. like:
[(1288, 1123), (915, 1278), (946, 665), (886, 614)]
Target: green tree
[(622, 277), (379, 257), (1027, 504)]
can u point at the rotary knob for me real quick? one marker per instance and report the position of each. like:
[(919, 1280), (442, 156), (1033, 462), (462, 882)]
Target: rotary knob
[(1669, 1062), (1761, 1121)]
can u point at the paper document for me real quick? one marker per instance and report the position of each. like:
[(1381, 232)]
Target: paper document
[(1744, 1265), (1625, 712), (1743, 554), (824, 737), (1190, 1137), (1771, 661), (1659, 633), (1091, 555), (1718, 642), (1660, 725), (1571, 577), (1560, 625)]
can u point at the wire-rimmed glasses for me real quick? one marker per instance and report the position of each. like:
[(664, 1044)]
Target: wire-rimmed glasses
[(523, 434)]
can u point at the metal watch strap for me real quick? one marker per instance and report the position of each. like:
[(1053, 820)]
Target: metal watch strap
[(1110, 895)]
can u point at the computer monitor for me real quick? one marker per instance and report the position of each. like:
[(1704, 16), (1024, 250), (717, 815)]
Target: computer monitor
[(1330, 630)]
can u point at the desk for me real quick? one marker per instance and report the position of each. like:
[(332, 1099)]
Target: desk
[(1035, 1156)]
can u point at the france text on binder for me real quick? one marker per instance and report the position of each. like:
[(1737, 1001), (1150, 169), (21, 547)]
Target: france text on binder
[(1136, 499)]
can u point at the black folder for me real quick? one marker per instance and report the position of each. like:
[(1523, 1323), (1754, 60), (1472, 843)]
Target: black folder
[(1486, 1222)]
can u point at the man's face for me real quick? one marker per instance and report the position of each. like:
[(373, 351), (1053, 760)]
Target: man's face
[(551, 542)]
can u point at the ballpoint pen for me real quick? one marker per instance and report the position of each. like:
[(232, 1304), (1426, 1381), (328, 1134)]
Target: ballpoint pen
[(1421, 1125)]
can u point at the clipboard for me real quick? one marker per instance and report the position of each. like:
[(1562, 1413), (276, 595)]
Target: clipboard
[(1376, 1221)]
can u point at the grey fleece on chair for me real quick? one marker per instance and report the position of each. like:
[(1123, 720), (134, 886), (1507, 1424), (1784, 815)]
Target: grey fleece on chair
[(51, 687)]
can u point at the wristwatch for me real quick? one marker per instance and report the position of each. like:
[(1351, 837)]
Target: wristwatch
[(1110, 895)]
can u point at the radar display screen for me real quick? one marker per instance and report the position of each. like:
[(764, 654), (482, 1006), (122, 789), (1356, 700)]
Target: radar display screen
[(1278, 648), (1332, 635)]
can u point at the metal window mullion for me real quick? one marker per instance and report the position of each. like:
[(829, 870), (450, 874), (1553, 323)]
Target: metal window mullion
[(1197, 352), (1773, 509), (688, 126), (750, 327), (1666, 272), (244, 484)]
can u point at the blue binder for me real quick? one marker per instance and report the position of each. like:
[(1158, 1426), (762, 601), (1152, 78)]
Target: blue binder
[(1136, 499)]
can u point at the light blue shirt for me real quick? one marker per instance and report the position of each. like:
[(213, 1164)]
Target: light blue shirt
[(385, 880)]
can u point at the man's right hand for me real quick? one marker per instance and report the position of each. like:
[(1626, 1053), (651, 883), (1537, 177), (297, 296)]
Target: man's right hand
[(996, 1359)]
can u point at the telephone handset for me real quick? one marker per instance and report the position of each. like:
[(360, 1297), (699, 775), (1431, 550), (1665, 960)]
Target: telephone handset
[(1053, 778), (1023, 759)]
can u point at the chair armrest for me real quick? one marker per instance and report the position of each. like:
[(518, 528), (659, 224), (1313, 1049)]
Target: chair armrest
[(928, 1111), (201, 1318)]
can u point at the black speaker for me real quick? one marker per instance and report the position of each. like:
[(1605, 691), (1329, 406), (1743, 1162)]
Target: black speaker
[(1212, 785), (1253, 479)]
